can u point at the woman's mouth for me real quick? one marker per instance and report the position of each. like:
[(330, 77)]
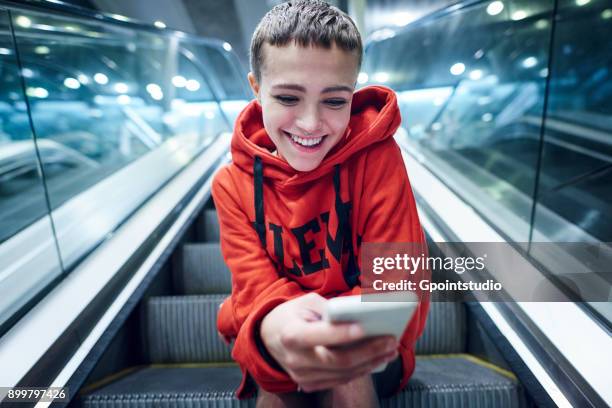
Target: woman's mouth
[(305, 143)]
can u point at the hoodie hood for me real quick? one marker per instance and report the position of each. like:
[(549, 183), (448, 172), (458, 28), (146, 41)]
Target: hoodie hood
[(375, 117)]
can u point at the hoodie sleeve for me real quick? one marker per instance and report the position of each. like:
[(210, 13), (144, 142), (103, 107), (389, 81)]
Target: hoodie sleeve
[(388, 214), (256, 289)]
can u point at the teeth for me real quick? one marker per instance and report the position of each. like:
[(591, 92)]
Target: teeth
[(306, 142)]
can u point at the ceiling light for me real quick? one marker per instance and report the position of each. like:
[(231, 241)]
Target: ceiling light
[(458, 68), (495, 7)]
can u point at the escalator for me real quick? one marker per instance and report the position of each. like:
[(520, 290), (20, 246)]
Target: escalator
[(184, 362), (121, 335)]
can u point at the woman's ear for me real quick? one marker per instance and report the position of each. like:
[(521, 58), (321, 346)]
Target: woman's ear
[(254, 84)]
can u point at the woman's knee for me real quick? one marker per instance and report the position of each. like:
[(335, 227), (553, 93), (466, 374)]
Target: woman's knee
[(359, 393), (290, 399)]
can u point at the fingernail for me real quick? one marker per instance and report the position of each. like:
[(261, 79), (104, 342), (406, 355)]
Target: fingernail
[(355, 331)]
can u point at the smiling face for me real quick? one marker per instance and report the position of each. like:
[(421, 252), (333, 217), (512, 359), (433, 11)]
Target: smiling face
[(305, 94)]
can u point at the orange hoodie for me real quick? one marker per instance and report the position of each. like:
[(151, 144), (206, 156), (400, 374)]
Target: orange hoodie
[(285, 233)]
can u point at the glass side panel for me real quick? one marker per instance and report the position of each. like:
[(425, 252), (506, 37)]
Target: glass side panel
[(224, 69), (108, 99), (22, 199), (28, 255), (575, 188), (575, 183), (226, 76), (471, 90), (99, 93)]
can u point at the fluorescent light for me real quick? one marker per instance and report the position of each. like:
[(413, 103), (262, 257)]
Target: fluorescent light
[(23, 21), (487, 117), (606, 14), (192, 85), (5, 51), (519, 15), (155, 91), (362, 78), (159, 24), (476, 74), (120, 17), (37, 92), (27, 73), (227, 46), (84, 79), (458, 68), (42, 50), (153, 88), (72, 83), (495, 7), (530, 62), (101, 78), (179, 81), (582, 2)]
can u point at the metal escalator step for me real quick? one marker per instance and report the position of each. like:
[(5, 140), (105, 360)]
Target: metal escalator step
[(183, 329), (202, 270), (208, 226), (457, 381), (449, 382), (177, 387), (180, 329), (445, 331)]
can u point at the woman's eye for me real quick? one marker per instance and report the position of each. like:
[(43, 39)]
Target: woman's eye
[(336, 103), (286, 100)]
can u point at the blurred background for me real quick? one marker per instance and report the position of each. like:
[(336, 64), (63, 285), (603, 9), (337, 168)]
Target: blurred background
[(115, 114), (235, 20)]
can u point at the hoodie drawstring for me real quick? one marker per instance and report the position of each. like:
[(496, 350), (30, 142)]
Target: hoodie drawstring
[(260, 224), (351, 275), (338, 202)]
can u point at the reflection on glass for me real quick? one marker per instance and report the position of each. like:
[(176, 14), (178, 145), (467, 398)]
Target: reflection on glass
[(575, 188), (471, 86), (468, 85), (28, 256), (22, 198), (105, 97)]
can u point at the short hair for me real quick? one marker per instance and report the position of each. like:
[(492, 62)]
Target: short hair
[(307, 23)]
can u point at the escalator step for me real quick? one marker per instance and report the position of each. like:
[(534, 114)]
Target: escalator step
[(449, 382), (457, 381), (445, 331), (208, 226), (182, 329), (202, 270), (171, 387)]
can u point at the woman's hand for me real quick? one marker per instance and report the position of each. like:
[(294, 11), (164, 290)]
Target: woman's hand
[(319, 355)]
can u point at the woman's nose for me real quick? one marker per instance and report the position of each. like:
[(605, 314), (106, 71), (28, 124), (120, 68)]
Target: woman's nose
[(309, 121)]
